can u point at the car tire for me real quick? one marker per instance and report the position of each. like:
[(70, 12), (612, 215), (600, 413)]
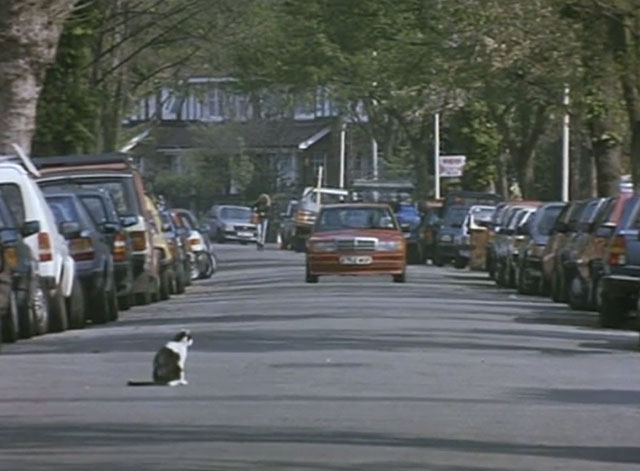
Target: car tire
[(58, 317), (26, 319), (41, 311), (10, 323), (612, 312), (460, 263), (124, 302), (577, 293), (438, 261), (308, 277), (114, 312), (165, 285), (400, 278), (523, 286), (100, 307), (76, 307)]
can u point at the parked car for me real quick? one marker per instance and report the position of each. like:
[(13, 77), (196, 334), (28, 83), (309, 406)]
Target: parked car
[(55, 265), (91, 250), (203, 260), (407, 214), (228, 223), (356, 239), (583, 266), (447, 247), (19, 312), (475, 236), (536, 236), (102, 210), (578, 223), (619, 285), (508, 242), (500, 217), (287, 227), (311, 201), (177, 245), (116, 174), (168, 263)]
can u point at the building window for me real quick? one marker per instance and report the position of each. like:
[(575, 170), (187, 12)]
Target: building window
[(214, 104)]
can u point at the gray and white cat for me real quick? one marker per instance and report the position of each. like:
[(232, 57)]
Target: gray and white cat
[(169, 363)]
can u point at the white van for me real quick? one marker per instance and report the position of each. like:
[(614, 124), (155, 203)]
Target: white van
[(55, 263)]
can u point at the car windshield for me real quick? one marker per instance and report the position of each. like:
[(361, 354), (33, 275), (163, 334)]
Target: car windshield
[(235, 214), (325, 198), (335, 219), (482, 214), (455, 216), (548, 219)]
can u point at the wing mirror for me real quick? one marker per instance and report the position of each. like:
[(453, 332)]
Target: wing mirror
[(109, 228), (30, 228), (128, 221), (70, 229), (405, 227)]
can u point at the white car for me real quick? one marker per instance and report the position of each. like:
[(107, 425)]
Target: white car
[(55, 264)]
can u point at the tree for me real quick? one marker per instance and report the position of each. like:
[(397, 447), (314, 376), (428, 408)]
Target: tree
[(29, 33)]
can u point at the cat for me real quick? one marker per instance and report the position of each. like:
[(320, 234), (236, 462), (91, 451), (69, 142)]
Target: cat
[(169, 363)]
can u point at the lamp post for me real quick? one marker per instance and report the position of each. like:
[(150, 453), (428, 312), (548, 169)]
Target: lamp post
[(436, 155), (565, 145)]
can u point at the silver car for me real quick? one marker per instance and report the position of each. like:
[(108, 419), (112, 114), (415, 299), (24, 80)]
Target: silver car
[(231, 223)]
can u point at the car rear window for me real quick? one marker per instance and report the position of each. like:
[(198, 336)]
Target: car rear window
[(10, 193), (335, 219), (96, 208), (548, 219), (455, 216), (121, 190), (63, 209)]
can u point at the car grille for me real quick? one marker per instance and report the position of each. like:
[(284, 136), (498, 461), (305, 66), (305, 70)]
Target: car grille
[(243, 228), (359, 244)]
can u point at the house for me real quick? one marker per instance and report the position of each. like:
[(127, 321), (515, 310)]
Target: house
[(291, 135)]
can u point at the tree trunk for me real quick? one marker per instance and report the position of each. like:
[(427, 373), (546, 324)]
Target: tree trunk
[(29, 33), (606, 152)]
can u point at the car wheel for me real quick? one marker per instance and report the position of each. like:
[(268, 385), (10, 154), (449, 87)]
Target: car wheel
[(612, 312), (400, 278), (577, 293), (114, 313), (76, 306), (522, 286), (165, 285), (309, 278), (124, 302), (460, 263), (438, 261), (26, 319), (10, 329), (59, 319), (40, 306)]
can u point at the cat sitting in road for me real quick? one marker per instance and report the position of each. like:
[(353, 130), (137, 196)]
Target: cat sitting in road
[(169, 363)]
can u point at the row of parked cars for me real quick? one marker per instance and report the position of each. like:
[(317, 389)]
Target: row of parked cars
[(584, 253), (82, 240)]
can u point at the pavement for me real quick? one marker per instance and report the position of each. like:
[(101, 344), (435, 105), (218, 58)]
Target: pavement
[(444, 372)]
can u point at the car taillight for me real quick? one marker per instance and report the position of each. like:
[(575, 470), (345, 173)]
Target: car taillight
[(11, 257), (44, 247), (617, 251), (81, 248), (119, 248), (139, 240)]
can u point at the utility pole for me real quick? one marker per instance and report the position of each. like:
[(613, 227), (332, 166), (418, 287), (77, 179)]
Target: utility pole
[(565, 146), (374, 161), (343, 134), (436, 156)]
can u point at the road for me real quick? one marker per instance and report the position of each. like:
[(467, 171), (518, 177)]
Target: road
[(445, 372)]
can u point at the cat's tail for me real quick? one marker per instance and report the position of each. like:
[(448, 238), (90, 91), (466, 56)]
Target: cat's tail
[(142, 383)]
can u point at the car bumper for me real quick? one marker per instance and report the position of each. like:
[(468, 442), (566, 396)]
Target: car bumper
[(393, 263), (236, 237), (621, 286)]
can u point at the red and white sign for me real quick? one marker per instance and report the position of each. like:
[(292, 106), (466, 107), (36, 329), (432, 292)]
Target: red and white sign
[(452, 165)]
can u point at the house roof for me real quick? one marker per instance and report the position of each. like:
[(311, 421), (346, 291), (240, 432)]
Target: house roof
[(254, 135)]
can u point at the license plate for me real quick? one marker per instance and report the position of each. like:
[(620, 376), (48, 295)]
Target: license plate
[(356, 260), (245, 234)]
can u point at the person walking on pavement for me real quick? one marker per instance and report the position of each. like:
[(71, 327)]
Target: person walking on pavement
[(261, 208)]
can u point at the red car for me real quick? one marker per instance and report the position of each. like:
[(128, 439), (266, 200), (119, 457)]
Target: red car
[(356, 239)]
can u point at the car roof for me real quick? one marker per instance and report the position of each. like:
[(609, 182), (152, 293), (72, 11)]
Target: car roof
[(355, 205)]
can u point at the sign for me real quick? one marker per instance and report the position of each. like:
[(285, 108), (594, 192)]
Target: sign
[(452, 165)]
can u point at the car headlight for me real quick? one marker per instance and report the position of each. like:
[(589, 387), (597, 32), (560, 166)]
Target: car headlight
[(389, 245), (445, 238), (324, 246), (228, 227)]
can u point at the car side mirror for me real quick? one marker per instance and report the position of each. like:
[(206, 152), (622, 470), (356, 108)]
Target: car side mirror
[(405, 227), (30, 228), (128, 221), (109, 228), (70, 229)]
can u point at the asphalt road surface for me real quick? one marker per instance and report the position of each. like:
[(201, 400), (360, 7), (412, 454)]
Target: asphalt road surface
[(445, 372)]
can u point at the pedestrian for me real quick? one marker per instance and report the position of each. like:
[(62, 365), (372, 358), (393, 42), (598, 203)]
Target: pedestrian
[(261, 208)]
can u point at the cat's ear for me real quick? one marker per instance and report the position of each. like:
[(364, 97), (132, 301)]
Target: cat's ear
[(184, 335)]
